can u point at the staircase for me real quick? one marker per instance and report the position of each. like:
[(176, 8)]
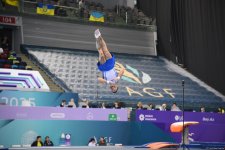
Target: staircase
[(53, 86)]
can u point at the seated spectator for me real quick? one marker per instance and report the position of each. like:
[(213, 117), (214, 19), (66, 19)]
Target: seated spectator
[(92, 142), (175, 107), (103, 105), (37, 142), (202, 109), (139, 105), (48, 142), (150, 106), (86, 104), (72, 103), (102, 141), (63, 103), (163, 107), (221, 110), (116, 105)]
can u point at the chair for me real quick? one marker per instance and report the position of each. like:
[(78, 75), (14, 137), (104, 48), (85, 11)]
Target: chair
[(14, 67), (7, 66), (28, 68), (2, 61), (21, 67), (23, 63)]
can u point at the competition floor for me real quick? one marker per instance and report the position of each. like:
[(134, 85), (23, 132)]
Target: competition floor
[(100, 148)]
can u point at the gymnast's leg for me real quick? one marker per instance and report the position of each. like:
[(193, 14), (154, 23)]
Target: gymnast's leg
[(102, 45)]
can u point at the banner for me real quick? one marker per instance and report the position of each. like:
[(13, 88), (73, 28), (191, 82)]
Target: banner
[(12, 2), (45, 9), (211, 126), (96, 16), (24, 132), (58, 113), (16, 98)]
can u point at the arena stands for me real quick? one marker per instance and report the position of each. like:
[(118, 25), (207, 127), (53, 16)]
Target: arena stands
[(52, 90), (148, 79), (73, 9), (12, 79), (13, 75), (10, 60)]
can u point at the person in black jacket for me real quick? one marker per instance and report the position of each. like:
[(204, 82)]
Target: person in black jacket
[(48, 142), (102, 141), (37, 142)]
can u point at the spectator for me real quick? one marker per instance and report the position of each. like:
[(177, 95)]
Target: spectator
[(220, 110), (81, 8), (86, 104), (163, 107), (37, 142), (139, 105), (1, 50), (48, 142), (92, 142), (116, 105), (5, 43), (72, 103), (202, 109), (63, 103), (102, 141), (103, 105), (150, 106), (175, 107)]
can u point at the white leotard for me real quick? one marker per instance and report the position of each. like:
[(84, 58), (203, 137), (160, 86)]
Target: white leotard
[(110, 75)]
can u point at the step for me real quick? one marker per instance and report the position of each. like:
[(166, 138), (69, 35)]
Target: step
[(53, 86)]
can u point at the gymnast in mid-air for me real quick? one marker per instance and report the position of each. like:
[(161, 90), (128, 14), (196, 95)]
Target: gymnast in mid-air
[(106, 64)]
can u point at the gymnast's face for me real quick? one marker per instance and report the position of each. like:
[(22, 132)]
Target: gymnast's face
[(114, 88)]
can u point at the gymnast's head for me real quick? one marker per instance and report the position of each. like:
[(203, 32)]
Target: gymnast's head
[(114, 88)]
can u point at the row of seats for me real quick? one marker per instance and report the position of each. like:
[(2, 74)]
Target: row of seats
[(10, 60), (80, 73)]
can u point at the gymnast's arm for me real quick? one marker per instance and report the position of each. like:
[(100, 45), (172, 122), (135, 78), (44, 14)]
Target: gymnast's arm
[(120, 74), (101, 80)]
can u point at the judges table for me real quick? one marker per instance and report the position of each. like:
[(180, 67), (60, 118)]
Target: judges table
[(59, 113)]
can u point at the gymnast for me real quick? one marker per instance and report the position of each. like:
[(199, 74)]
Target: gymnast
[(106, 64)]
